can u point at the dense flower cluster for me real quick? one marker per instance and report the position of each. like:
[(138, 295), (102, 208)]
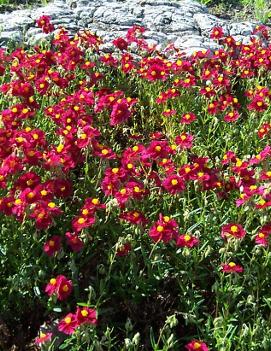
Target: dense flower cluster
[(40, 167)]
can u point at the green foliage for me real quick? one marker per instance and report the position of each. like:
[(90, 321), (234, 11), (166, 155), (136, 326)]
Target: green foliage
[(157, 295)]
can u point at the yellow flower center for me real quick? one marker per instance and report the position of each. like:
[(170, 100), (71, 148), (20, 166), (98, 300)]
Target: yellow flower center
[(196, 346), (234, 228), (262, 202), (85, 212), (68, 320), (105, 151), (174, 182), (84, 313), (187, 237), (160, 228), (65, 288), (51, 243)]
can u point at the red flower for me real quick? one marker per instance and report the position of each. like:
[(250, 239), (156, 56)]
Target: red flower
[(68, 324), (258, 104), (174, 184), (134, 217), (188, 118), (264, 129), (86, 315), (51, 286), (156, 72), (44, 23), (232, 268), (120, 43), (73, 240), (124, 249), (43, 337), (60, 286), (82, 222), (184, 140), (229, 157), (217, 33), (232, 230), (262, 238), (120, 113), (52, 245), (187, 240), (196, 345), (165, 229), (231, 116), (157, 149)]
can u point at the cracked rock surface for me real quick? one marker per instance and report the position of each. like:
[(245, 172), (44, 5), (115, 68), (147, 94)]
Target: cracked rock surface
[(187, 23)]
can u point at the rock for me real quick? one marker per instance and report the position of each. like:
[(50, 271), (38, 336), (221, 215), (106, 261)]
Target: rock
[(186, 23), (206, 22), (242, 28)]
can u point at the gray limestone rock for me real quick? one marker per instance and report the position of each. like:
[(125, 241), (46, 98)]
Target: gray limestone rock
[(187, 23)]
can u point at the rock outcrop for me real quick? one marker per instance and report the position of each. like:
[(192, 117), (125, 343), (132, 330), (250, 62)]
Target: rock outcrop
[(187, 23)]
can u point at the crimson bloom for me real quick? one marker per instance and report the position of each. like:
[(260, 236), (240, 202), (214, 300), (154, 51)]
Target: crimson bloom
[(174, 184), (83, 221), (43, 337), (232, 267), (165, 229), (231, 116), (232, 230), (120, 113), (86, 315), (124, 249), (187, 240), (74, 242), (134, 217), (52, 245), (217, 33), (188, 118), (44, 23), (60, 286), (263, 235), (184, 140), (121, 43), (196, 345), (68, 324)]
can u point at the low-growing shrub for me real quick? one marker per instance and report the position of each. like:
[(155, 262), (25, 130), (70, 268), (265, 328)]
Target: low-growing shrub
[(135, 195)]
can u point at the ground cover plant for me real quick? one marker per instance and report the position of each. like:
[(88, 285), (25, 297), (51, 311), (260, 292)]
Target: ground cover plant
[(11, 5), (135, 195), (259, 10)]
